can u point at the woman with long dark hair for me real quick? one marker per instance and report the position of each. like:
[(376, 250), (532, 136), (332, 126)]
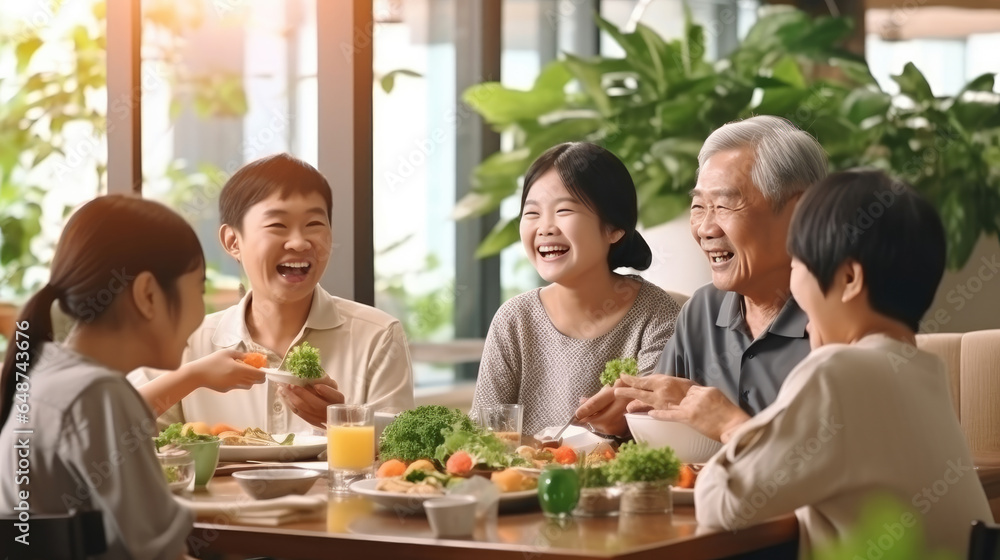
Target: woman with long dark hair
[(131, 273), (547, 348)]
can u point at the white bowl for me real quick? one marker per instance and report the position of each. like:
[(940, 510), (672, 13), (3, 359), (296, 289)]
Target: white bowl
[(451, 516), (689, 445), (273, 483)]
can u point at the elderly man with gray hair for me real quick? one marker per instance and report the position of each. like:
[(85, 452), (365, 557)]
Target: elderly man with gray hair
[(739, 337)]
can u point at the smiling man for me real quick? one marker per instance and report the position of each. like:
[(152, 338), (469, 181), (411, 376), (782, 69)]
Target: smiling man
[(275, 215), (742, 334)]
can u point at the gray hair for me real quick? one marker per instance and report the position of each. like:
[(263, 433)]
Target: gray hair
[(787, 160)]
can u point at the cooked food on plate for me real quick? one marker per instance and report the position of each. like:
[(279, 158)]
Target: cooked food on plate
[(253, 436), (179, 433), (513, 480), (422, 477), (429, 449), (565, 455)]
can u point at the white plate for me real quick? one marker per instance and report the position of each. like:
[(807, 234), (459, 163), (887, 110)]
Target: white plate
[(305, 446), (279, 376), (414, 503), (682, 496)]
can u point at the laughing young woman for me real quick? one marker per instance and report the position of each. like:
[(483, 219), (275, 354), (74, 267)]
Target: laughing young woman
[(547, 348), (275, 216)]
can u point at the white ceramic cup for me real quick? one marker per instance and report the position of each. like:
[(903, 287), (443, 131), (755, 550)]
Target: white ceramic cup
[(451, 516)]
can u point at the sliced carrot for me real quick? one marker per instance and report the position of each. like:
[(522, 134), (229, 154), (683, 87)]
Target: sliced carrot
[(392, 467), (221, 427), (255, 359), (687, 477), (564, 455)]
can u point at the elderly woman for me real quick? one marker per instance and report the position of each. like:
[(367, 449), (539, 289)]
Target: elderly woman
[(866, 413), (275, 216)]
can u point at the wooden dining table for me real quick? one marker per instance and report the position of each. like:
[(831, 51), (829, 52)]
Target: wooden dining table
[(355, 526)]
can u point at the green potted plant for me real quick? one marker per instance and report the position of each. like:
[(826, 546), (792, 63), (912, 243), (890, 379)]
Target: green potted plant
[(645, 474), (599, 495), (655, 107)]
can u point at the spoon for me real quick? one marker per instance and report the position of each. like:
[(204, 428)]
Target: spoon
[(554, 440)]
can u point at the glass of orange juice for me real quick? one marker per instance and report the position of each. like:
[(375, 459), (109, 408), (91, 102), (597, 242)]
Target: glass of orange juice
[(350, 449)]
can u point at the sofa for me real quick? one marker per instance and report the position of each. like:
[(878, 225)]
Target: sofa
[(973, 363)]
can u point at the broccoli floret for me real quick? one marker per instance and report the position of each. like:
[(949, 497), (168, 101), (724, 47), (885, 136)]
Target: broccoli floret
[(594, 476), (616, 367), (638, 462), (303, 361), (416, 434), (415, 476)]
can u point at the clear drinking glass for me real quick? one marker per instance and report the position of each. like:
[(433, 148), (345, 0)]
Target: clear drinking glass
[(504, 420), (350, 435)]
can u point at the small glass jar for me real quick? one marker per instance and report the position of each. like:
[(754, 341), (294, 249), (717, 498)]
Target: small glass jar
[(178, 467), (647, 497), (598, 502)]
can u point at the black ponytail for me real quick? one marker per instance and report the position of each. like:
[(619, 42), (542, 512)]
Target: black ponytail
[(104, 245), (630, 251), (32, 329)]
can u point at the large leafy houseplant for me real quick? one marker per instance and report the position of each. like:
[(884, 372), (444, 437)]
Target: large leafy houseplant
[(655, 107)]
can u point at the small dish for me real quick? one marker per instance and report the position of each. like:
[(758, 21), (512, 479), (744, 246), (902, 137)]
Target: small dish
[(411, 504), (579, 438), (452, 516), (273, 483), (178, 468), (206, 458), (279, 376)]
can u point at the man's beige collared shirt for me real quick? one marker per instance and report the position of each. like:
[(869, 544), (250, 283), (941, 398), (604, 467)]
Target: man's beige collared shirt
[(362, 348)]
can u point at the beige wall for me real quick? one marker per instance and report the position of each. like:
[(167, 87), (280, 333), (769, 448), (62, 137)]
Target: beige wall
[(678, 264), (969, 300)]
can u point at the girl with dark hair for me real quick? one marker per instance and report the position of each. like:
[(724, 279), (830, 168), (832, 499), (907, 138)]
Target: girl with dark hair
[(275, 215), (547, 348), (131, 274)]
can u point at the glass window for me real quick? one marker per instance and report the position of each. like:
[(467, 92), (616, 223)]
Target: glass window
[(53, 152), (235, 82), (948, 45), (414, 171), (725, 21), (531, 31)]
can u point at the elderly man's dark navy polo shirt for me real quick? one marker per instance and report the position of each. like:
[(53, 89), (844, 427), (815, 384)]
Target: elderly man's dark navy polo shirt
[(712, 346)]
